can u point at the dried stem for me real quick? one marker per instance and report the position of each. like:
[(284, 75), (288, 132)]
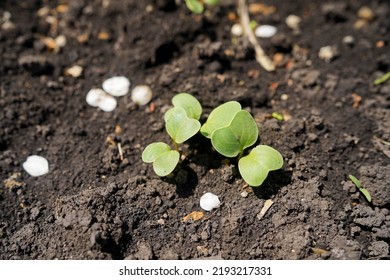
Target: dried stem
[(261, 57)]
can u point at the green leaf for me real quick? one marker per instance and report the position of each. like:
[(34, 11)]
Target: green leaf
[(166, 163), (163, 158), (382, 79), (355, 181), (179, 126), (254, 168), (277, 116), (358, 184), (154, 150), (240, 134), (366, 194), (195, 6), (189, 103), (220, 117), (211, 2)]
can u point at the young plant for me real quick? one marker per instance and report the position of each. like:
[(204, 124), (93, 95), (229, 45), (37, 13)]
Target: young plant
[(231, 131), (181, 123), (197, 6), (358, 184)]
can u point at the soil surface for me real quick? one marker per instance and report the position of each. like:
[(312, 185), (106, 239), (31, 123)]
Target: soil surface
[(100, 201)]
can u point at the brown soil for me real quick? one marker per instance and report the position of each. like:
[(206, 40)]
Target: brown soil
[(95, 205)]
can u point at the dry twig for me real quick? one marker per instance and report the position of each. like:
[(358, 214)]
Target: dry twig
[(261, 57)]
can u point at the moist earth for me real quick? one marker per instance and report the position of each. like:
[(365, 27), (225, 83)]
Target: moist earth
[(100, 201)]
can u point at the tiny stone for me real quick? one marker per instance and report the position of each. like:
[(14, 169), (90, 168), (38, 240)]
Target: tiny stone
[(98, 98), (36, 166), (237, 30), (116, 86), (244, 194), (74, 71), (141, 95), (265, 31), (349, 40), (293, 21), (366, 13), (209, 201), (327, 53), (284, 97)]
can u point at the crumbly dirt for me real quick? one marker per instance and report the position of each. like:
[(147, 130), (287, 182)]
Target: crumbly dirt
[(98, 203)]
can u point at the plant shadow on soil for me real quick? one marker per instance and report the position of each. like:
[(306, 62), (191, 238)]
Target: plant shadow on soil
[(274, 182)]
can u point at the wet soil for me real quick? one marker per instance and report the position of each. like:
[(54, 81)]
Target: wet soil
[(100, 201)]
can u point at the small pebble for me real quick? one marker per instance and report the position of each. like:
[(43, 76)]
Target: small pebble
[(141, 95), (36, 166), (237, 30), (366, 13), (74, 71), (244, 194), (327, 53), (265, 31), (209, 201), (116, 86), (349, 40), (99, 98), (293, 21)]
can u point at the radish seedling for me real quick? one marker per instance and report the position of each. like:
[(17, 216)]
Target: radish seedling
[(197, 6), (231, 131), (181, 123)]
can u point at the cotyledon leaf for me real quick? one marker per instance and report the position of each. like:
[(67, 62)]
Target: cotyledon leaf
[(254, 167)]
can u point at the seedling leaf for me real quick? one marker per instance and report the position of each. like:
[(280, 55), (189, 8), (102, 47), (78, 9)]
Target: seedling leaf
[(254, 168), (240, 134), (154, 150), (195, 6), (382, 79), (358, 184), (164, 159), (355, 181), (179, 126), (166, 163), (220, 117), (189, 103), (211, 2), (366, 194)]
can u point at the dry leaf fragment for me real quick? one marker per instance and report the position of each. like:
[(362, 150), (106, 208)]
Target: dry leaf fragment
[(258, 8), (12, 182), (267, 205), (103, 35), (321, 252), (356, 100), (193, 216)]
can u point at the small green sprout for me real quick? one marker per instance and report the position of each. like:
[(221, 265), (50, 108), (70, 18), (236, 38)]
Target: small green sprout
[(163, 158), (231, 131), (382, 79), (197, 6), (254, 168), (181, 123), (277, 116), (358, 184)]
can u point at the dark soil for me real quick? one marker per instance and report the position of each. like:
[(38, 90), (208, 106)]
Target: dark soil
[(95, 205)]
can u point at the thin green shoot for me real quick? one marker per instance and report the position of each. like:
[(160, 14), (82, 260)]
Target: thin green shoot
[(358, 184)]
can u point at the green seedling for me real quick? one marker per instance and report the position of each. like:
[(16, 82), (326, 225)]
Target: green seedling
[(181, 123), (254, 168), (198, 6), (164, 159), (382, 79), (231, 131), (358, 184), (277, 116)]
